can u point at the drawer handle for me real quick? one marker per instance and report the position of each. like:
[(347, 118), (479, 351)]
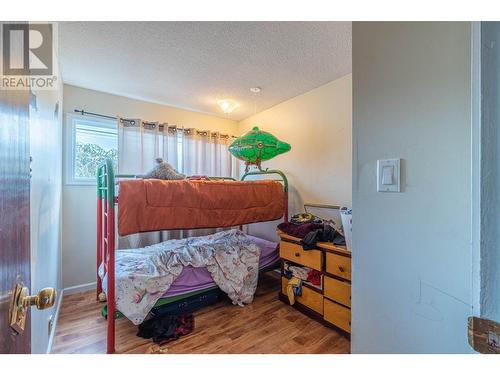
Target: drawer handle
[(297, 254), (341, 269)]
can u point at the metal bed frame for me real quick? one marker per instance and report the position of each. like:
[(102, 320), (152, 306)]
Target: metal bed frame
[(107, 200)]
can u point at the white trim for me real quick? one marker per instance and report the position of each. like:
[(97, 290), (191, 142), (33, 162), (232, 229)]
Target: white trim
[(79, 288), (69, 143), (54, 322), (476, 167)]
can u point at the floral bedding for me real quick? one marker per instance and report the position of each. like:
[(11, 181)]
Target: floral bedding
[(143, 275)]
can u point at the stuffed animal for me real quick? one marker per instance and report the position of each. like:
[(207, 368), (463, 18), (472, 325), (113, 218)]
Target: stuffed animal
[(164, 171)]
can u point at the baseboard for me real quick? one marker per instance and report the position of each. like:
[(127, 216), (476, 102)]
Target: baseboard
[(80, 288), (66, 292), (54, 323)]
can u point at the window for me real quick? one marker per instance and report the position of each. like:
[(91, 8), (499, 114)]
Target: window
[(89, 142)]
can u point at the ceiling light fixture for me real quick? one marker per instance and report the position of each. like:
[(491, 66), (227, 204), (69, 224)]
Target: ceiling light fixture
[(255, 91), (227, 105)]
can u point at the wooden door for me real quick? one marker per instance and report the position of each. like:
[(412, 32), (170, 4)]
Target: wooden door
[(14, 212)]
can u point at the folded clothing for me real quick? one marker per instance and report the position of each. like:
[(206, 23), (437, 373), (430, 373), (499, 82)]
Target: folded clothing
[(166, 328)]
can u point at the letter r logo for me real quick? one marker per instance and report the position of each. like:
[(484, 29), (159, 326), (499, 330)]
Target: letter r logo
[(27, 49)]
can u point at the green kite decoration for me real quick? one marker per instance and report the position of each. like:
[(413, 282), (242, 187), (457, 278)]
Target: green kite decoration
[(256, 146)]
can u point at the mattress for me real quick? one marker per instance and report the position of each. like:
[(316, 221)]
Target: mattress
[(152, 205), (193, 279)]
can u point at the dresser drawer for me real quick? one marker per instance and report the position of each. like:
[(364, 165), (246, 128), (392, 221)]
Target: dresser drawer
[(295, 253), (339, 291), (338, 315), (338, 265), (309, 297)]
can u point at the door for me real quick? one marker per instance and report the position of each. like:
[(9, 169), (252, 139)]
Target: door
[(14, 213)]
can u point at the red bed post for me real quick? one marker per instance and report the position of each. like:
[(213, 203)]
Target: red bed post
[(99, 244), (106, 244), (111, 276)]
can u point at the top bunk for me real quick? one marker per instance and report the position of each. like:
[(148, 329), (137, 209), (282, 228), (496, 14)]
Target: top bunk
[(151, 205)]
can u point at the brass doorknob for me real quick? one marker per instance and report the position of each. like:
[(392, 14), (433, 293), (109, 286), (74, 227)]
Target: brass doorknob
[(21, 301), (43, 300)]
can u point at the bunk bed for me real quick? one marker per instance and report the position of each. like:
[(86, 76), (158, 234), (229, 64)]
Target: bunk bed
[(154, 205)]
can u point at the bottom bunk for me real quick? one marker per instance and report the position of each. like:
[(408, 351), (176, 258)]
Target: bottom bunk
[(195, 288)]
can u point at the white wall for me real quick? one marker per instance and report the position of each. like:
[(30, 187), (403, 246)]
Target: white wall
[(79, 255), (411, 286), (317, 125), (45, 207)]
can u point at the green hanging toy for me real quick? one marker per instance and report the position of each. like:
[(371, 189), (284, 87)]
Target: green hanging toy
[(256, 146)]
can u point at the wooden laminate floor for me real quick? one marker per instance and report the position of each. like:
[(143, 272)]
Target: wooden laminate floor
[(265, 326)]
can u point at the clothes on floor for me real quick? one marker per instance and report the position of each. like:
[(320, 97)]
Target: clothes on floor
[(166, 328), (293, 288)]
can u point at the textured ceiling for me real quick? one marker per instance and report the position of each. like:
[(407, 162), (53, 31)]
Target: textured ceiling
[(191, 65)]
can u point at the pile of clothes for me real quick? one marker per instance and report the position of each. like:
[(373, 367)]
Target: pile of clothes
[(296, 277), (312, 232), (303, 273), (163, 329)]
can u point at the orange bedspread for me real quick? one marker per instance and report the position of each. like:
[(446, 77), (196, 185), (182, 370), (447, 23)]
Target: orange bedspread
[(149, 205)]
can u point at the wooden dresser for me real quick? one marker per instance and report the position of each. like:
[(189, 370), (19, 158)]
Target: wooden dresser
[(329, 302)]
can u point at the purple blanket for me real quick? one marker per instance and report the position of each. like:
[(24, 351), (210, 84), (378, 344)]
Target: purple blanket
[(192, 279)]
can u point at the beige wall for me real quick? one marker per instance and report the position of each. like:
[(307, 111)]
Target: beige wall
[(79, 201), (317, 125)]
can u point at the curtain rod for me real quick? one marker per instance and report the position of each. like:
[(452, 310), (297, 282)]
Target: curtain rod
[(84, 113)]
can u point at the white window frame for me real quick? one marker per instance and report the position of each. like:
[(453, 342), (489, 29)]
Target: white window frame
[(70, 142)]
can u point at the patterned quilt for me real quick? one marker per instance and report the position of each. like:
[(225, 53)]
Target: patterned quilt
[(143, 275)]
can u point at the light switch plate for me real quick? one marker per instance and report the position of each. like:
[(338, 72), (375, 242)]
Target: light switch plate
[(384, 167)]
